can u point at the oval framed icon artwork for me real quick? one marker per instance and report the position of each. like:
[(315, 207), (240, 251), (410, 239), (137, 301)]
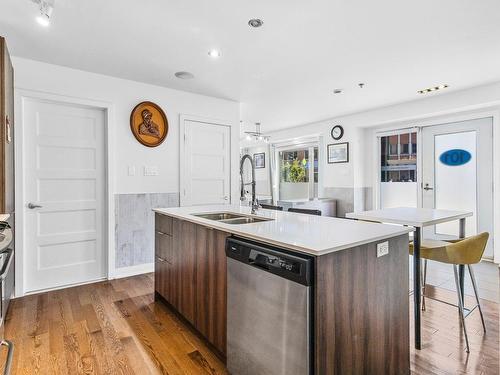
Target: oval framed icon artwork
[(149, 124)]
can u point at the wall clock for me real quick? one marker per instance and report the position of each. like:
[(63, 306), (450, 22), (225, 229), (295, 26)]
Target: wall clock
[(337, 132)]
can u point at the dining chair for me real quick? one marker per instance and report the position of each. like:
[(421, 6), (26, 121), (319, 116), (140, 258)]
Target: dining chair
[(271, 207), (305, 211), (467, 251)]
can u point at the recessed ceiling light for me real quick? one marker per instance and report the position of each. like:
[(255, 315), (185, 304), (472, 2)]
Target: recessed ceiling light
[(184, 75), (255, 22), (46, 9), (214, 53), (431, 89), (43, 21), (337, 91)]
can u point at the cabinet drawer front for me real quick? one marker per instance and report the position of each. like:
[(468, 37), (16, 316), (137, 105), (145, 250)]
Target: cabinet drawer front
[(163, 224), (164, 247), (162, 276)]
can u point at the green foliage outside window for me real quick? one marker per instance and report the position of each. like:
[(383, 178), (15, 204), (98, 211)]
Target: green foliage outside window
[(295, 171)]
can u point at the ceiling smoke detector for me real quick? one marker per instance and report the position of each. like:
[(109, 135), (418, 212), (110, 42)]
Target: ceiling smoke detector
[(255, 22), (431, 89), (184, 75)]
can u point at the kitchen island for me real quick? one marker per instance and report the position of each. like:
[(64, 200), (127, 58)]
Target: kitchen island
[(359, 300)]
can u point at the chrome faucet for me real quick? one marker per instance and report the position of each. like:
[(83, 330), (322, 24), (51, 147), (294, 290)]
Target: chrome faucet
[(255, 203)]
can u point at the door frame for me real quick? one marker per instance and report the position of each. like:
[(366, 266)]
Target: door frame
[(20, 96), (492, 110), (182, 163)]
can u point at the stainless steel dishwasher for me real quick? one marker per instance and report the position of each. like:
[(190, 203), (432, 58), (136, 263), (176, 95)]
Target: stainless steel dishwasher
[(268, 310)]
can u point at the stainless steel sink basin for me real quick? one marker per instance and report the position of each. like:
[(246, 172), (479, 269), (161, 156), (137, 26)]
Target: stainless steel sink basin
[(245, 220), (232, 218), (219, 216)]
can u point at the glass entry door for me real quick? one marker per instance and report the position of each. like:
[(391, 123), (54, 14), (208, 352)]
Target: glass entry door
[(457, 174), (398, 169)]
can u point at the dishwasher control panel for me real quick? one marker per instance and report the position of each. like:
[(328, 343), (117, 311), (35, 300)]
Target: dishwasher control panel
[(293, 267)]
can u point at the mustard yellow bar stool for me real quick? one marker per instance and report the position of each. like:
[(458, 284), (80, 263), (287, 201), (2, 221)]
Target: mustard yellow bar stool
[(467, 251)]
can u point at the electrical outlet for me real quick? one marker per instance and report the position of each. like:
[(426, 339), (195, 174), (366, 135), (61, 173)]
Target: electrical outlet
[(131, 170), (382, 249), (150, 171)]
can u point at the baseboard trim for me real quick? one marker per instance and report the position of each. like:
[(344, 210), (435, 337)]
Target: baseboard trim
[(59, 287), (133, 270)]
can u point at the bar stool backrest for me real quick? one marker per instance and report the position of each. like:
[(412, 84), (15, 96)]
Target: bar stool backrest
[(469, 250), (305, 211), (271, 207)]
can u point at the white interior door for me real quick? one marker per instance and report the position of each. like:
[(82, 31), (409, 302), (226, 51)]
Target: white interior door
[(206, 175), (458, 175), (64, 190)]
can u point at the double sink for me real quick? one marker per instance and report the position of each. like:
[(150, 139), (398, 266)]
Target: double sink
[(232, 218)]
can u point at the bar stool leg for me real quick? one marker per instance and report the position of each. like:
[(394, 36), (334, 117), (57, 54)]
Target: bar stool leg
[(461, 306), (424, 277), (474, 285)]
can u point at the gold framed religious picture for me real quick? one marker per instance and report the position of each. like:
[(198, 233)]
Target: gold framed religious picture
[(149, 124)]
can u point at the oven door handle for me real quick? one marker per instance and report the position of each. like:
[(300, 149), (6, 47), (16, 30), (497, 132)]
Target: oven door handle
[(6, 264), (10, 354)]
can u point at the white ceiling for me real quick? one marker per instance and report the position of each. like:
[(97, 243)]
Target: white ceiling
[(284, 72)]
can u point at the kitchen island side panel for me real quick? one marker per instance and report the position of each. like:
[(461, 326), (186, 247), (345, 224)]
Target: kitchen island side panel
[(361, 309)]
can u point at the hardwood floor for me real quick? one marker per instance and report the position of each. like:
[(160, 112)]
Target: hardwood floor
[(116, 328), (443, 343), (104, 328)]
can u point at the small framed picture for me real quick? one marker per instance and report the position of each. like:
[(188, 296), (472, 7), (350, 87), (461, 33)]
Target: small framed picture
[(259, 160), (338, 153)]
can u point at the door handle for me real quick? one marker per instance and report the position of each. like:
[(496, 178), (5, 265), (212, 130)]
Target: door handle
[(32, 206), (427, 187), (225, 197)]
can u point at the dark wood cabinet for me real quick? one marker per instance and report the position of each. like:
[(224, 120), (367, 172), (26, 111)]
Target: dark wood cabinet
[(6, 131), (211, 285), (185, 255), (190, 273)]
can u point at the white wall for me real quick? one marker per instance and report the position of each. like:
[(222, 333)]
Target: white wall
[(334, 175), (360, 131), (120, 96), (262, 175), (123, 96)]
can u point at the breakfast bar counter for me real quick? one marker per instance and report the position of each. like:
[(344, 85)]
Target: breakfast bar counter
[(358, 304)]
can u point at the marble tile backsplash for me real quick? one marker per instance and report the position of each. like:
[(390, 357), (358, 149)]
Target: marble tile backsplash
[(134, 226)]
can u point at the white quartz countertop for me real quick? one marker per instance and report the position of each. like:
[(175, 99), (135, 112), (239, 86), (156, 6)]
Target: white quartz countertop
[(315, 235), (417, 217)]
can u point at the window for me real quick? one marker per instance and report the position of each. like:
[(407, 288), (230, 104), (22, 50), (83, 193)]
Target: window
[(294, 166), (398, 156), (298, 170), (398, 170), (316, 165)]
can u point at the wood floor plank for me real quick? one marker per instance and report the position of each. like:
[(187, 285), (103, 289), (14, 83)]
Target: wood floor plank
[(115, 327)]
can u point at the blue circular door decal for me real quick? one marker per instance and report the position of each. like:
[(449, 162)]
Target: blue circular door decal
[(455, 157)]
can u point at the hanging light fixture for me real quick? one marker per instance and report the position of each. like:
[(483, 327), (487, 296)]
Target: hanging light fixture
[(257, 135)]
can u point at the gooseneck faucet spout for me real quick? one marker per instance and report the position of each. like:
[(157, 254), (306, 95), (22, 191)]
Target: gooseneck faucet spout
[(255, 203)]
